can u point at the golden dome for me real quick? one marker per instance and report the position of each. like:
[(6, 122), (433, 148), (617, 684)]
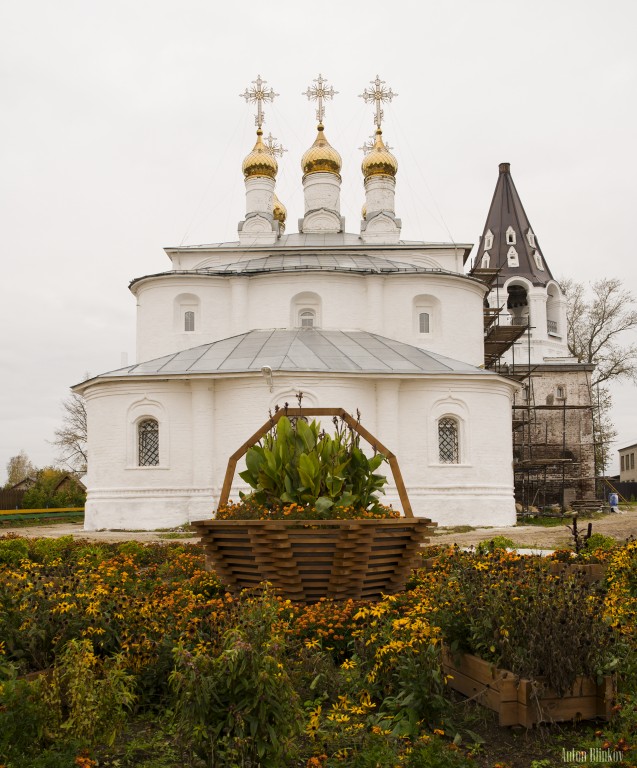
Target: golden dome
[(380, 160), (279, 211), (260, 162), (321, 156)]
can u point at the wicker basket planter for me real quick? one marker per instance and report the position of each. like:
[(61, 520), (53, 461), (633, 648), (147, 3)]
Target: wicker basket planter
[(524, 702), (305, 561), (338, 559)]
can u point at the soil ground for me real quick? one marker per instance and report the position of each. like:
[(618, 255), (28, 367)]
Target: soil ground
[(620, 525)]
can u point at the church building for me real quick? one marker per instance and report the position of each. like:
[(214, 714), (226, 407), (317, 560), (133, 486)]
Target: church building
[(360, 320)]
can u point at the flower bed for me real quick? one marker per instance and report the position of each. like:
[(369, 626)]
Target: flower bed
[(526, 702)]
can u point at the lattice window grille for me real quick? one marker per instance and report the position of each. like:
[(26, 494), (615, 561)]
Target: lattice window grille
[(448, 441), (307, 318), (424, 322), (148, 441), (189, 321)]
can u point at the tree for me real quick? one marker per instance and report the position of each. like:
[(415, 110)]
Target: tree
[(18, 468), (71, 438), (54, 488), (596, 320), (594, 324)]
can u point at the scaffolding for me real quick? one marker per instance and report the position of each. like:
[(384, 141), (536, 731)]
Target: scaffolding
[(549, 465)]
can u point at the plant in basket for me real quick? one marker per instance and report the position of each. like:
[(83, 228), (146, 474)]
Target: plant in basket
[(298, 471), (313, 524)]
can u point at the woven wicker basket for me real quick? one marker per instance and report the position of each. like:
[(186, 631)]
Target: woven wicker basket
[(338, 559)]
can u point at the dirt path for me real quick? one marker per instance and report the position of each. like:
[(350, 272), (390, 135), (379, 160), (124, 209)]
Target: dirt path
[(620, 526)]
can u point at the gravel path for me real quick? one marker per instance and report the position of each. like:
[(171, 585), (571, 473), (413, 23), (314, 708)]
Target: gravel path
[(620, 526)]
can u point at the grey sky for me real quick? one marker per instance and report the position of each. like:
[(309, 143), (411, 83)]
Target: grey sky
[(122, 132)]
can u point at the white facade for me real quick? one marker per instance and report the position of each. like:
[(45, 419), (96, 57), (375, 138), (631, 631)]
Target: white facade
[(200, 393)]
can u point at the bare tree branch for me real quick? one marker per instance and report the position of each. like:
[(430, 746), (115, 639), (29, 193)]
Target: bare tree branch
[(71, 438), (595, 323)]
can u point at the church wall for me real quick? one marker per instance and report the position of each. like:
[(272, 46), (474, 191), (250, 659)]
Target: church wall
[(225, 307), (203, 421)]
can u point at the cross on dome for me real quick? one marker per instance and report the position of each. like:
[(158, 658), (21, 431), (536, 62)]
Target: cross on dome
[(369, 145), (319, 92), (378, 95), (272, 146), (257, 95)]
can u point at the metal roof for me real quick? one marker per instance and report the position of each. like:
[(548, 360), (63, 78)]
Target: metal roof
[(364, 264), (507, 211), (301, 350), (335, 262)]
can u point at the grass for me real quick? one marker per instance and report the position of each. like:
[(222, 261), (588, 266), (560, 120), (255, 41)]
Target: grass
[(455, 529), (550, 521)]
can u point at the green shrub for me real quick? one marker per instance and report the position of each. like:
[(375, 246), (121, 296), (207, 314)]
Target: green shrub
[(12, 551), (436, 753), (88, 698), (238, 707), (599, 541)]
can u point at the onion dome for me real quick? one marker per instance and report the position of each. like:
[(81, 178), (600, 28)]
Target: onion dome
[(279, 211), (379, 161), (260, 162), (321, 156)]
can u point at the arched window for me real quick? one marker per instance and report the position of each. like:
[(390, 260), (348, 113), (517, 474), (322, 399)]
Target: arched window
[(510, 236), (423, 322), (189, 321), (486, 260), (307, 318), (148, 443), (512, 257), (448, 444), (488, 240)]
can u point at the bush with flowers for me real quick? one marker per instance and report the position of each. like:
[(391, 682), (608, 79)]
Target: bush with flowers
[(141, 639)]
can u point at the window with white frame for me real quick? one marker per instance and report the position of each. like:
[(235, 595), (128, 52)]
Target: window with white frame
[(307, 318), (189, 321), (488, 240), (530, 236), (423, 322), (538, 260), (148, 443), (448, 442), (510, 235), (512, 257), (486, 260)]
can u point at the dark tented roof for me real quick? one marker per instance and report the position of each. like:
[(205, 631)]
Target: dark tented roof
[(507, 212), (300, 350)]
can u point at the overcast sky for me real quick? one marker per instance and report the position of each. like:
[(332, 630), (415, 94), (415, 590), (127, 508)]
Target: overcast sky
[(122, 132)]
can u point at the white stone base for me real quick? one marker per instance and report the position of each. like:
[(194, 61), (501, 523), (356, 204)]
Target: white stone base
[(144, 510)]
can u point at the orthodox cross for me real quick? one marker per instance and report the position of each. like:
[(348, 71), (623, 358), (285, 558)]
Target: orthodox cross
[(378, 95), (272, 146), (257, 95), (319, 92), (369, 145)]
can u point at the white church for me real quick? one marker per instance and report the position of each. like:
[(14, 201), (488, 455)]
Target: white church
[(363, 321)]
